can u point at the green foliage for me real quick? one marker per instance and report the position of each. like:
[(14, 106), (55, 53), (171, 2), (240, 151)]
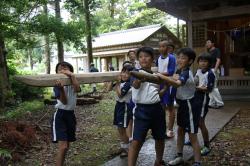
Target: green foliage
[(5, 154), (24, 108)]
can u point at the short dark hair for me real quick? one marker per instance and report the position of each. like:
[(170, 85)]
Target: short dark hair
[(127, 68), (130, 52), (171, 45), (188, 52), (212, 40), (65, 64), (205, 56), (147, 50), (127, 62)]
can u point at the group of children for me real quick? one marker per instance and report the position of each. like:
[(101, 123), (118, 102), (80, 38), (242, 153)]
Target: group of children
[(140, 105), (149, 101)]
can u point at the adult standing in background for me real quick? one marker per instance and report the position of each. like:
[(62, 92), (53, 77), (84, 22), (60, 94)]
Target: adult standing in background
[(133, 59), (93, 69), (215, 97)]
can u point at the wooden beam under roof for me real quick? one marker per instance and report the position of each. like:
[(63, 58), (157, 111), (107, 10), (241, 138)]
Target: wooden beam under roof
[(221, 12)]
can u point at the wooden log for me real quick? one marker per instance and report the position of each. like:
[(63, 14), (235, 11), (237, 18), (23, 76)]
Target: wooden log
[(146, 77), (48, 80), (79, 101)]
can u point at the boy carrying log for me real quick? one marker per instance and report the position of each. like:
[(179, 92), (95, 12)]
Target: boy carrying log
[(63, 123)]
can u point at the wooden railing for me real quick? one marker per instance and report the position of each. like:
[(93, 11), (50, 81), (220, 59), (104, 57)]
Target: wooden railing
[(236, 83)]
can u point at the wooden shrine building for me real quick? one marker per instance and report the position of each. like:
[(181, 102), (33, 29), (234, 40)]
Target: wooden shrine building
[(112, 48), (225, 21)]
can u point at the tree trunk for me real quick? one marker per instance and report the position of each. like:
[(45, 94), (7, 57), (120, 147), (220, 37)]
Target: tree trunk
[(47, 49), (88, 32), (4, 79), (112, 8), (30, 58), (58, 37)]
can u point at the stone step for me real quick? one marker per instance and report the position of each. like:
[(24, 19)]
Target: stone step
[(215, 120)]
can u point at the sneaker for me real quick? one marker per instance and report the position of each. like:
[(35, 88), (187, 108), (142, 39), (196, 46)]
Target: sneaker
[(177, 161), (188, 143), (170, 134), (124, 153), (196, 164), (162, 163), (205, 150)]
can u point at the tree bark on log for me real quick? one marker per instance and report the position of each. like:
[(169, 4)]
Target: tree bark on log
[(48, 80)]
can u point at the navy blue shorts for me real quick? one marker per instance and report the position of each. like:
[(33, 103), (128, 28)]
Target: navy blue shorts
[(188, 116), (149, 116), (202, 101), (63, 126), (169, 96), (122, 114)]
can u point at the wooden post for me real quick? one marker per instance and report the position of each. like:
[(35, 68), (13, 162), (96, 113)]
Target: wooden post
[(178, 28), (77, 67), (190, 28)]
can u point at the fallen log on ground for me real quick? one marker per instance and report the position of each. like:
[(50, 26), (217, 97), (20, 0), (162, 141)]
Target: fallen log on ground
[(79, 101), (48, 80), (146, 77)]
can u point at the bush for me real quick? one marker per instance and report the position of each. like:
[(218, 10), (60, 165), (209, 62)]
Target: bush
[(20, 90), (23, 108)]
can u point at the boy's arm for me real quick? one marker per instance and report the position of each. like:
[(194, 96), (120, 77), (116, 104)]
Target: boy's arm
[(163, 90), (60, 93), (170, 80), (75, 83), (118, 90), (210, 83), (136, 84)]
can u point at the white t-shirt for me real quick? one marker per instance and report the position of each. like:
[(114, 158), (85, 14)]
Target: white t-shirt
[(71, 98), (148, 93)]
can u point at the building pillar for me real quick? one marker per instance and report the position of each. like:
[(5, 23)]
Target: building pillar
[(190, 29)]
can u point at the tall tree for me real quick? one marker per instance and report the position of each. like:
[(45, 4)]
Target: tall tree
[(4, 79), (47, 48), (14, 16), (58, 35), (88, 31)]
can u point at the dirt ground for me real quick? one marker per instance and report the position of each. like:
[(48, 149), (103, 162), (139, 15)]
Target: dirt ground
[(232, 145), (97, 140)]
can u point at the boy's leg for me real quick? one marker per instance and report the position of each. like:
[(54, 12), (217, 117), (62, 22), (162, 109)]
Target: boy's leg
[(159, 148), (204, 132), (133, 152), (171, 119), (122, 134), (129, 129), (62, 150), (124, 141), (180, 139), (196, 147)]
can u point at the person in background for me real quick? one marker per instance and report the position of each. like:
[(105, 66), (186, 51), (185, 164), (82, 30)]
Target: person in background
[(93, 69), (166, 64), (123, 111), (133, 59), (215, 97), (111, 68)]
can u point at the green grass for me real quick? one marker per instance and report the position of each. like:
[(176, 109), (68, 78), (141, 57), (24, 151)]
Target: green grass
[(23, 108), (103, 142)]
